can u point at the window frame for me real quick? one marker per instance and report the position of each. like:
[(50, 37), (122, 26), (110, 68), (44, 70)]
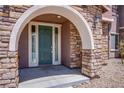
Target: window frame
[(114, 33)]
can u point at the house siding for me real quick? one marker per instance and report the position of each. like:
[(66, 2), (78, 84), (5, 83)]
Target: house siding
[(65, 44)]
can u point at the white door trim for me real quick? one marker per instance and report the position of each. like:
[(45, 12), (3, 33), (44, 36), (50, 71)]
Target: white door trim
[(37, 42), (30, 63), (59, 46)]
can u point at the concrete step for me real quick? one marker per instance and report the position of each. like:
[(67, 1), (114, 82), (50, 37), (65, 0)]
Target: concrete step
[(60, 81)]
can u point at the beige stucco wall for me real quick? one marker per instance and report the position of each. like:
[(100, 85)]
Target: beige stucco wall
[(23, 48), (65, 44)]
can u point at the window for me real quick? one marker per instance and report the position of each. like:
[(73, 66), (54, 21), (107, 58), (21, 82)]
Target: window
[(114, 8), (114, 41), (33, 43), (56, 44)]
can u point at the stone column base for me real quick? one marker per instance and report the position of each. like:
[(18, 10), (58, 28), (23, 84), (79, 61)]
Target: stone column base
[(90, 63), (9, 69)]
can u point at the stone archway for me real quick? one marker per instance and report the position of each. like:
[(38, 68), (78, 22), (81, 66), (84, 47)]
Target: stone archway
[(71, 14), (66, 11)]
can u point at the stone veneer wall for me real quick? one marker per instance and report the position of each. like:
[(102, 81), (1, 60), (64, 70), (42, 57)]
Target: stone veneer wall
[(91, 59), (8, 60), (72, 41), (90, 63), (105, 42), (8, 69), (75, 47)]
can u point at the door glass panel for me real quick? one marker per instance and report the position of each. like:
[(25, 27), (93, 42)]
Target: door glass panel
[(33, 43), (45, 43), (56, 44)]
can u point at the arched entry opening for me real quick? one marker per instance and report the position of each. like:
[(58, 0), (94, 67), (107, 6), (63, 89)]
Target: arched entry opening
[(66, 11), (62, 11), (62, 45)]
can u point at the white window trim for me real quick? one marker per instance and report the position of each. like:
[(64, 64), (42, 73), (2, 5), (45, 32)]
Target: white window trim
[(107, 19), (37, 44), (30, 64), (113, 33), (121, 27), (113, 50)]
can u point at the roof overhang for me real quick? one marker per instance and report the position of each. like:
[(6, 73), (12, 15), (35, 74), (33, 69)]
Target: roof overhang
[(106, 8), (105, 19)]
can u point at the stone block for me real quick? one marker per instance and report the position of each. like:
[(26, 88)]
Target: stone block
[(6, 27), (15, 14), (4, 82), (5, 39), (13, 60), (5, 60), (3, 54), (98, 46), (13, 70), (4, 49), (4, 33), (4, 71), (9, 75), (11, 85), (9, 65), (12, 54), (3, 45)]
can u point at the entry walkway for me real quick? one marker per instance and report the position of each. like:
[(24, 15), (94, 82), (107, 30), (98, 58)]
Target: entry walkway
[(50, 77)]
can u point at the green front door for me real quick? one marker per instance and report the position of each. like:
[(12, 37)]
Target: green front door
[(45, 45)]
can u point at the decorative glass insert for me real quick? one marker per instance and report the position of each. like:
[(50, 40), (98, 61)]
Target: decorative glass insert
[(33, 29), (56, 44)]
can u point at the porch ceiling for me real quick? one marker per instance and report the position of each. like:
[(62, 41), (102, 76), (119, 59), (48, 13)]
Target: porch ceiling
[(52, 18)]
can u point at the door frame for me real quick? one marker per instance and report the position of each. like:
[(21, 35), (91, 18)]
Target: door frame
[(53, 25)]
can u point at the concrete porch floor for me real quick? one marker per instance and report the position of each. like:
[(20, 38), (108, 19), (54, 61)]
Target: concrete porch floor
[(50, 76)]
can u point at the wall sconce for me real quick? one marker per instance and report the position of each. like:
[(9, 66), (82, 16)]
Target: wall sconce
[(97, 19)]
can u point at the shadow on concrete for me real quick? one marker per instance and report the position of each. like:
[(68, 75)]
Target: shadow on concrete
[(46, 71)]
